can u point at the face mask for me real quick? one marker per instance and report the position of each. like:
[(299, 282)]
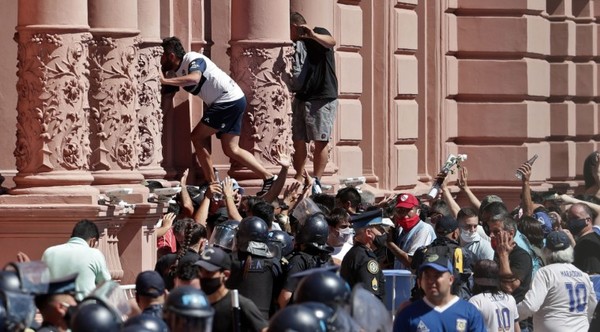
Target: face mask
[(576, 226), (69, 314), (469, 237), (494, 243), (408, 223), (380, 241), (210, 285)]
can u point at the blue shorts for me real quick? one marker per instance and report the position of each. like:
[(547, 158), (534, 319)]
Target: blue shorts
[(226, 117)]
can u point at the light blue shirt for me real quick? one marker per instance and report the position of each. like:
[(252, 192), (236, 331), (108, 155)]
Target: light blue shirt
[(522, 241), (76, 256)]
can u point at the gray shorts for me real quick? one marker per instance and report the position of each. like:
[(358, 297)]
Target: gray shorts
[(313, 120)]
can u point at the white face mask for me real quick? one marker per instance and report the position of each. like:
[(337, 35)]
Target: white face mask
[(469, 237), (345, 234)]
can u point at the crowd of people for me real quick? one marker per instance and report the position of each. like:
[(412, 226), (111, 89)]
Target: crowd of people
[(295, 258)]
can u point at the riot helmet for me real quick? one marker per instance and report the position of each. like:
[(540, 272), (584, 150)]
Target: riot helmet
[(280, 243), (335, 319), (324, 287), (187, 309), (92, 316), (296, 317), (314, 231), (252, 236), (223, 235), (145, 322)]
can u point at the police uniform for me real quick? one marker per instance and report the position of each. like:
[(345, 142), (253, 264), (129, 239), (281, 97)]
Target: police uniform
[(64, 285), (360, 265)]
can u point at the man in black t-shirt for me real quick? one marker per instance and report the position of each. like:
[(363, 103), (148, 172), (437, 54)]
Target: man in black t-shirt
[(214, 269), (316, 90), (514, 263), (580, 219)]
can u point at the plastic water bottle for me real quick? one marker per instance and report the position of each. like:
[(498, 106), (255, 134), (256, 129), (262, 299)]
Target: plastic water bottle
[(217, 196)]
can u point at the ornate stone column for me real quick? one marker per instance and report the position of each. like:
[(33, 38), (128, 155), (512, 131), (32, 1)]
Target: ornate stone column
[(260, 63), (53, 149), (150, 116), (115, 139)]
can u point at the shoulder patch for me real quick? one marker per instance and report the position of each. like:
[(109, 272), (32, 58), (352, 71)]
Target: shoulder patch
[(373, 266)]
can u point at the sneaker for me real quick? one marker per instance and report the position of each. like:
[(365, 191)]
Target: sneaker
[(267, 184), (316, 188)]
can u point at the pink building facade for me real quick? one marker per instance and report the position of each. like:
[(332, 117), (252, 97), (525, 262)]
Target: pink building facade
[(82, 113)]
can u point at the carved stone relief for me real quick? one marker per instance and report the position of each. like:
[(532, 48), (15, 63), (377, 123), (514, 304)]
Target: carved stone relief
[(52, 129), (263, 74), (114, 128), (150, 116)]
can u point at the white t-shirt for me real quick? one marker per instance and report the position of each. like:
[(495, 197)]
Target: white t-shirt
[(339, 252), (215, 86), (561, 298), (421, 235), (499, 311)]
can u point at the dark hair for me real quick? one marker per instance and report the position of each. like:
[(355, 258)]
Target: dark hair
[(588, 169), (537, 197), (532, 229), (494, 210), (337, 216), (173, 45), (187, 271), (488, 269), (297, 18), (264, 211), (193, 233), (349, 194), (466, 212), (439, 207), (324, 199), (86, 230)]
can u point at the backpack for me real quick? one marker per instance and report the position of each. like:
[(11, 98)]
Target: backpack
[(460, 262)]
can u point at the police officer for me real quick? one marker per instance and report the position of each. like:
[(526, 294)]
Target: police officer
[(254, 272), (187, 309), (314, 252), (360, 265), (57, 305)]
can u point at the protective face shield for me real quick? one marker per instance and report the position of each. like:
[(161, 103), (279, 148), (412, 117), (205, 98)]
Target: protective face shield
[(113, 298), (369, 312), (19, 283), (280, 243), (335, 319), (223, 236), (304, 209)]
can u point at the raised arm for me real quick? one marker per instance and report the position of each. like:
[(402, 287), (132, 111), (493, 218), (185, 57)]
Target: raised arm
[(232, 209), (447, 196), (462, 183), (192, 78), (187, 207), (324, 39), (284, 160), (526, 202)]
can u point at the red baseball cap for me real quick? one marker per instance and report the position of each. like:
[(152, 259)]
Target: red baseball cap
[(407, 201)]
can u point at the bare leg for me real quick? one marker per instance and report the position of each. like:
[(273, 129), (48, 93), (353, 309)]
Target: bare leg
[(320, 158), (199, 138), (231, 147), (299, 159)]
